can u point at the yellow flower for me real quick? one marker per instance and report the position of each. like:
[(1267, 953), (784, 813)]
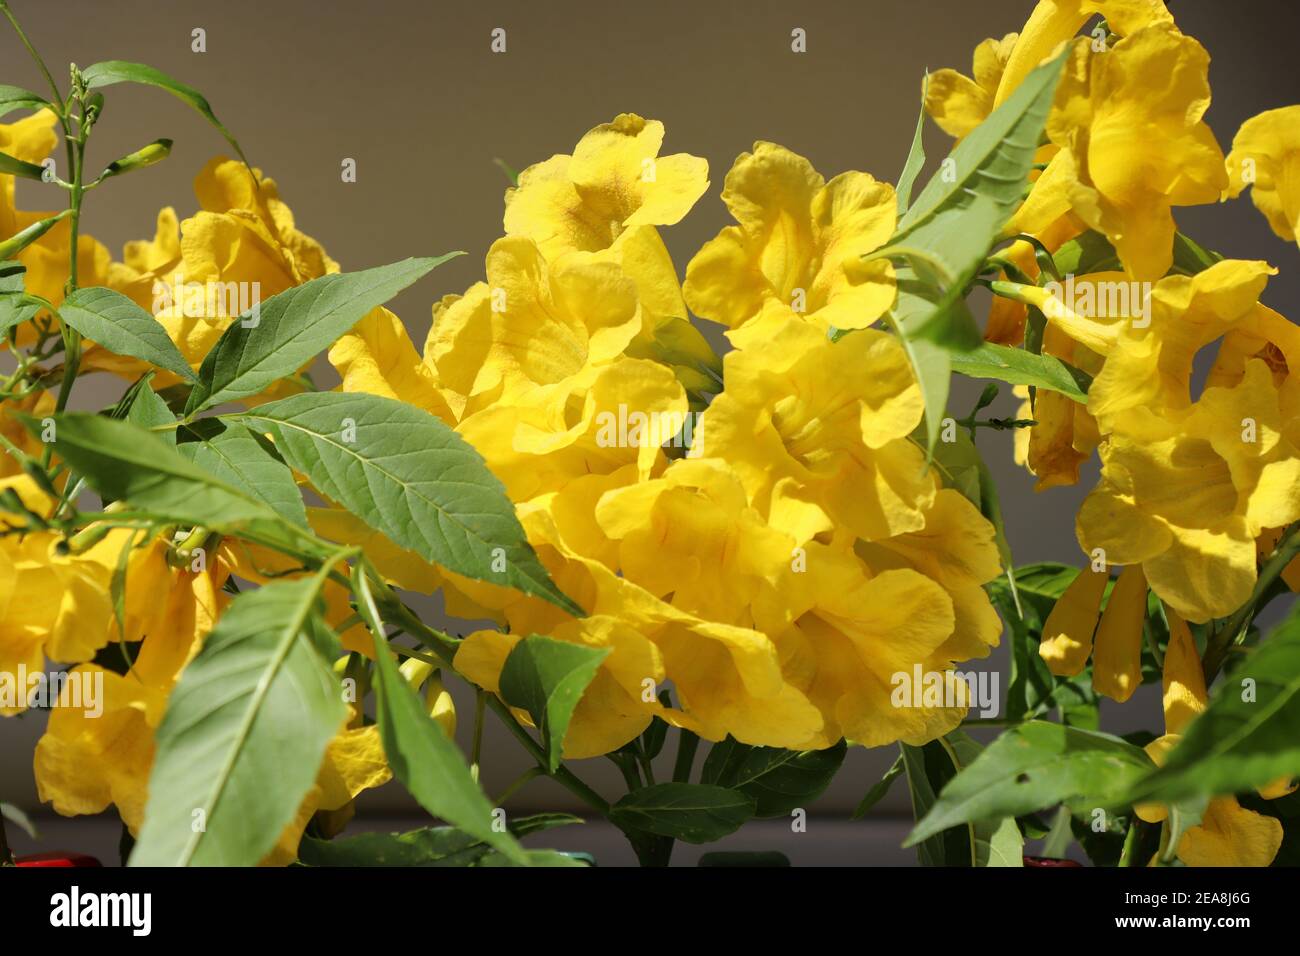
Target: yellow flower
[(1052, 22), (614, 181), (1134, 143), (1228, 834), (85, 762), (1151, 366), (242, 246), (377, 357), (354, 762), (817, 430), (530, 324), (1067, 632), (1266, 156), (800, 242), (595, 422), (852, 634), (957, 549), (1065, 433), (58, 604), (727, 679), (691, 538), (959, 103), (606, 200), (1187, 495)]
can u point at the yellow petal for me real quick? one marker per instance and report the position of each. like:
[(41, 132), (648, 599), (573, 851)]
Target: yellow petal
[(1067, 633), (1117, 655)]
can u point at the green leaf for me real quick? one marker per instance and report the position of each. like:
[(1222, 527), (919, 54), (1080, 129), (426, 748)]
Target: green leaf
[(248, 462), (426, 761), (1033, 766), (1091, 252), (921, 763), (547, 678), (15, 306), (1018, 367), (932, 366), (1240, 744), (21, 240), (408, 475), (277, 337), (948, 230), (991, 507), (123, 462), (16, 98), (915, 156), (148, 410), (428, 846), (110, 72), (993, 842), (999, 844), (693, 812), (1029, 688), (958, 463), (1191, 258), (779, 781), (119, 325), (13, 166), (1044, 582), (880, 788), (244, 734)]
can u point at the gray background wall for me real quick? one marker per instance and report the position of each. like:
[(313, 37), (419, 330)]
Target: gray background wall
[(411, 91)]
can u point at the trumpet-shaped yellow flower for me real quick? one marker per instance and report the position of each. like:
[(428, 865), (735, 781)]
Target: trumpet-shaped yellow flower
[(530, 324), (856, 643), (1228, 834), (1266, 157), (691, 538), (86, 762), (1186, 496), (817, 430), (957, 549), (1134, 143), (1052, 22), (377, 357), (1065, 434), (58, 604), (606, 200), (614, 181), (727, 679), (959, 103), (1151, 366), (242, 246), (800, 242), (1067, 632), (595, 422)]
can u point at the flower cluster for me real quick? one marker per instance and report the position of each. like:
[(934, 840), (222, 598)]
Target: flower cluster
[(779, 567)]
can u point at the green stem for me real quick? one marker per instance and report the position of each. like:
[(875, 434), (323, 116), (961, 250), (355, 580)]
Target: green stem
[(562, 775), (57, 103), (1221, 642), (515, 785), (687, 744), (1131, 841)]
